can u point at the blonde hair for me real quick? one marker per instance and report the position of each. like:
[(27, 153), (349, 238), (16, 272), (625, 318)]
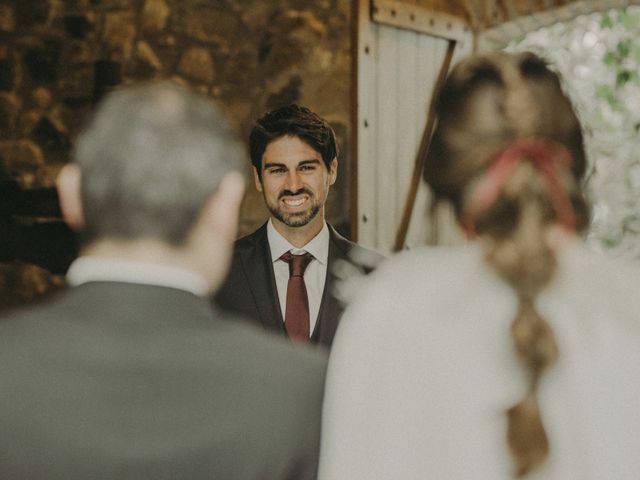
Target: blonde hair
[(488, 104)]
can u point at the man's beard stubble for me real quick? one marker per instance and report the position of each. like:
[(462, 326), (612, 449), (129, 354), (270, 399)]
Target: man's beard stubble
[(298, 219)]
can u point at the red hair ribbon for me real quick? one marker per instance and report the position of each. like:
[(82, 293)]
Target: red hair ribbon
[(547, 157)]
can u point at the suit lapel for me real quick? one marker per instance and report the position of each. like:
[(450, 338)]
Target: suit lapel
[(257, 264), (330, 307)]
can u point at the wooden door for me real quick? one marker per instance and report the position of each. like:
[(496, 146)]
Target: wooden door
[(400, 53)]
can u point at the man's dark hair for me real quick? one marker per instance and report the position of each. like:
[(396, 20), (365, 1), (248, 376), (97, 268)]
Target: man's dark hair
[(296, 121)]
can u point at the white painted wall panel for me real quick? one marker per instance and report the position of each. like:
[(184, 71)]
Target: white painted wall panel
[(397, 70), (366, 129), (387, 63)]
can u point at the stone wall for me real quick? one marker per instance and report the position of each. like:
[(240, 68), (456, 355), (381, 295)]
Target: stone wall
[(58, 57)]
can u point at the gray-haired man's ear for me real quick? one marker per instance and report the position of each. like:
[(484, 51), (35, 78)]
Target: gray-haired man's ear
[(212, 238), (69, 193), (225, 207)]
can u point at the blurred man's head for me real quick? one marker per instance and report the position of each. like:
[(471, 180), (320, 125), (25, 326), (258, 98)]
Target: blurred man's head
[(150, 166)]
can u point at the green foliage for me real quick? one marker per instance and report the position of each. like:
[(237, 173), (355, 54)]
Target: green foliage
[(608, 94), (610, 58), (607, 21), (623, 57), (623, 48), (629, 20)]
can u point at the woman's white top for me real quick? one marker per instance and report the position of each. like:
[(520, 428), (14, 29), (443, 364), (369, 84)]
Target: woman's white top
[(423, 370)]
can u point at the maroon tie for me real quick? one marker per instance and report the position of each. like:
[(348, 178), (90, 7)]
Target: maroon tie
[(296, 319)]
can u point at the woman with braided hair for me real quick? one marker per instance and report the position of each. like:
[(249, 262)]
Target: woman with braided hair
[(515, 356)]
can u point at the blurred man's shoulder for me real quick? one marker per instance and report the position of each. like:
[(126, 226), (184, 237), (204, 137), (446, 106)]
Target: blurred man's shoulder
[(268, 346)]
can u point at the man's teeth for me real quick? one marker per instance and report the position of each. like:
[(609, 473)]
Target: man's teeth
[(294, 203)]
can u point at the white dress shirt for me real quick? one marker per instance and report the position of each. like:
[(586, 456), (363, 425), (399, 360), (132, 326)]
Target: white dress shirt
[(314, 276), (93, 268)]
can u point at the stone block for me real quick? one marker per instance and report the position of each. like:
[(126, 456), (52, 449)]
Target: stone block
[(167, 41), (196, 64), (78, 52), (146, 55), (255, 16), (41, 97), (119, 33), (211, 25), (77, 26), (17, 154), (76, 5), (28, 121), (304, 23), (154, 15), (112, 4), (29, 14), (7, 74), (327, 78), (9, 109), (178, 80), (43, 62), (238, 113), (7, 18), (288, 94), (23, 283), (51, 135), (201, 89), (289, 39), (77, 86)]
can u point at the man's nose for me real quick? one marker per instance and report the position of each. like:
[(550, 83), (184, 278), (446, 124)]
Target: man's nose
[(294, 182)]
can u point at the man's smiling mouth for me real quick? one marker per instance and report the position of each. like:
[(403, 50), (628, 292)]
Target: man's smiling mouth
[(294, 202)]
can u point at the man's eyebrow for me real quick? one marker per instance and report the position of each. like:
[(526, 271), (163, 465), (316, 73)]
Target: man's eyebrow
[(273, 164), (313, 161)]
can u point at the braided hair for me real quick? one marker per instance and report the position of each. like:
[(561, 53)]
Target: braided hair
[(508, 153)]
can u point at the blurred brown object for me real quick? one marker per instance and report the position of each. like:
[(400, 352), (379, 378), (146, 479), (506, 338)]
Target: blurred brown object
[(24, 283)]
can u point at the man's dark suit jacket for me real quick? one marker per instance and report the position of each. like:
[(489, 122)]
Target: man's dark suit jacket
[(123, 381), (250, 288)]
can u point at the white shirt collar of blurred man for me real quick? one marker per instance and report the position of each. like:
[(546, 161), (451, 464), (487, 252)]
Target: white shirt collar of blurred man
[(102, 269)]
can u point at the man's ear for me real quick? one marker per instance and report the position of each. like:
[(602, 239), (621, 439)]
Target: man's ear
[(333, 171), (69, 193), (256, 179)]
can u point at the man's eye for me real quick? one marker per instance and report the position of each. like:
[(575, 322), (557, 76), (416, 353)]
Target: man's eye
[(307, 168), (276, 171)]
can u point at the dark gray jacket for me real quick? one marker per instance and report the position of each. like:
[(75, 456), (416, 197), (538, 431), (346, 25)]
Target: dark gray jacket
[(124, 381)]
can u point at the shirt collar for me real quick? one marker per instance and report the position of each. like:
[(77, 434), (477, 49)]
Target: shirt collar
[(318, 246), (93, 268)]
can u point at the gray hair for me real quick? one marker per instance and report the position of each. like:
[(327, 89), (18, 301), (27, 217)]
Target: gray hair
[(150, 158)]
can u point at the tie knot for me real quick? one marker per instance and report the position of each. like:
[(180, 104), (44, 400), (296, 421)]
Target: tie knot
[(297, 263)]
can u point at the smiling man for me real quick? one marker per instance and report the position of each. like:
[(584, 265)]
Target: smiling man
[(282, 276)]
